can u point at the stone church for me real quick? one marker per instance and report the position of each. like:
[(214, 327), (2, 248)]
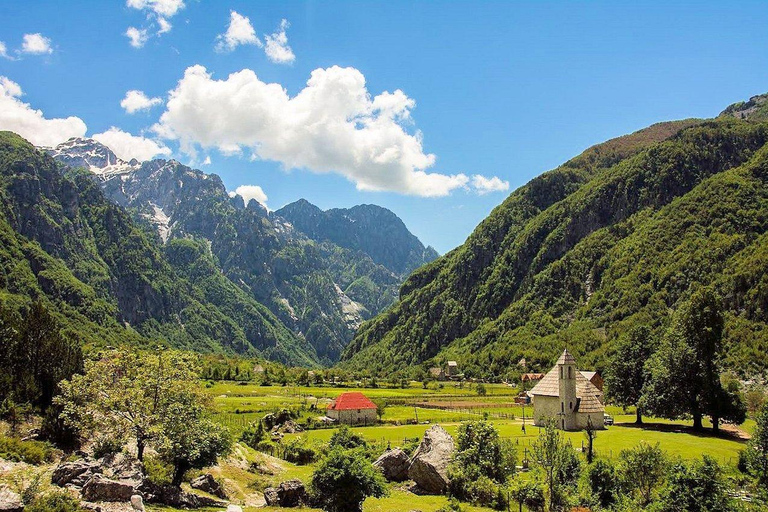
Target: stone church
[(568, 397)]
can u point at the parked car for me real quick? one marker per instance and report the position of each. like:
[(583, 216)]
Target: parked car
[(607, 419)]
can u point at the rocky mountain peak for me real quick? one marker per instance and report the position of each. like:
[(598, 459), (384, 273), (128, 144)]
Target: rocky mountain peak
[(92, 155), (755, 109)]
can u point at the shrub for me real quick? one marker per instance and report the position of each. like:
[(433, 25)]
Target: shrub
[(157, 471), (298, 451), (106, 445), (57, 501), (344, 479), (530, 494), (253, 434), (603, 482), (344, 437), (31, 452)]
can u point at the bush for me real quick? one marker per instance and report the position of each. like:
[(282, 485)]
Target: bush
[(530, 494), (31, 452), (344, 479), (253, 434), (346, 438), (57, 501), (157, 471), (603, 482), (106, 445), (298, 451)]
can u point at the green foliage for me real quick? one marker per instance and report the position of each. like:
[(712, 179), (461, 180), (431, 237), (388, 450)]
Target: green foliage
[(529, 493), (756, 453), (684, 375), (558, 463), (31, 452), (55, 501), (299, 451), (603, 483), (253, 434), (626, 375), (642, 469), (696, 487), (158, 471), (586, 252), (344, 437), (343, 480)]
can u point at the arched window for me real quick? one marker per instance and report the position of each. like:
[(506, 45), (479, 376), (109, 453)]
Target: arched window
[(570, 372), (562, 406)]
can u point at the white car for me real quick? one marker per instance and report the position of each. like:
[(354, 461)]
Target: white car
[(607, 419)]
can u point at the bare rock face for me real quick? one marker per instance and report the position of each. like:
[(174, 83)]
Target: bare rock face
[(75, 473), (207, 483), (99, 488), (10, 501), (394, 465), (288, 494), (429, 464)]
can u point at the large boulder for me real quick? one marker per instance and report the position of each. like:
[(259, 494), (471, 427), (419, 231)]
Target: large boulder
[(10, 501), (100, 488), (207, 483), (288, 494), (429, 464), (137, 503), (394, 465), (175, 497), (75, 473)]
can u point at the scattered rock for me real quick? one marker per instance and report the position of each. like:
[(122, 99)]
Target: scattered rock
[(100, 488), (75, 473), (175, 497), (137, 502), (288, 494), (10, 501), (123, 467), (394, 465), (234, 508), (429, 464), (207, 483)]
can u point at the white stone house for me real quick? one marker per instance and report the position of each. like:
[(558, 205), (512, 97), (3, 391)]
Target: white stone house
[(352, 409), (566, 396)]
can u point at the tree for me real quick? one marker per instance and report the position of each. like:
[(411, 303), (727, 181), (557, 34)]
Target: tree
[(528, 493), (555, 459), (345, 438), (590, 433), (684, 374), (757, 449), (189, 439), (35, 356), (344, 479), (381, 408), (642, 468), (128, 392), (627, 374), (603, 482), (696, 487)]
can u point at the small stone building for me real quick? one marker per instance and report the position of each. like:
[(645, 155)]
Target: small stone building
[(565, 395), (352, 408), (452, 369), (595, 378)]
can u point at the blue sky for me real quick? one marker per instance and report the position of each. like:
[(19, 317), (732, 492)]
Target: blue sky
[(501, 90)]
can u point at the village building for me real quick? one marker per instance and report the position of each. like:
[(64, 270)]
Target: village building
[(452, 369), (568, 397), (352, 408), (437, 373), (595, 378)]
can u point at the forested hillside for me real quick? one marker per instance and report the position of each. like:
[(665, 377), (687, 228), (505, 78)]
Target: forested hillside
[(615, 237)]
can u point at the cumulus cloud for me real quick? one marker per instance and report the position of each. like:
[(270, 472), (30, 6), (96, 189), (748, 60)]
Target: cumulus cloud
[(36, 44), (239, 32), (137, 36), (163, 8), (165, 25), (277, 48), (332, 125), (136, 101), (485, 185), (248, 192), (127, 146), (31, 124)]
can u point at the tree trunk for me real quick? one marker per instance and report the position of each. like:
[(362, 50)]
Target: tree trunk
[(140, 449), (179, 469), (697, 421), (715, 424), (639, 417)]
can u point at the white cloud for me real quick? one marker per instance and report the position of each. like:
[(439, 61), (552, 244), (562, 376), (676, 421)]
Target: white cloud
[(239, 32), (162, 8), (127, 146), (485, 185), (207, 160), (137, 37), (36, 44), (332, 125), (31, 124), (248, 192), (4, 51), (165, 25), (277, 48), (136, 101)]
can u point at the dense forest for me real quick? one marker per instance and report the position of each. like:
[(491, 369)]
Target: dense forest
[(614, 238)]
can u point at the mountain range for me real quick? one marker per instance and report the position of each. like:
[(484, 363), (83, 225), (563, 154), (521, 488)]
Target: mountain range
[(615, 237), (158, 251)]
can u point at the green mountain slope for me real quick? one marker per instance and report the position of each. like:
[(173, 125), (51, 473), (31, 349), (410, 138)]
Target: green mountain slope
[(109, 281), (614, 237)]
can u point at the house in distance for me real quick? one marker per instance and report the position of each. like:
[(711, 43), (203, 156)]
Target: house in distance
[(352, 408), (568, 397)]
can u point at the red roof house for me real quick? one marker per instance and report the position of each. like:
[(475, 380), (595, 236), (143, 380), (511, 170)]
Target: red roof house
[(352, 408)]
